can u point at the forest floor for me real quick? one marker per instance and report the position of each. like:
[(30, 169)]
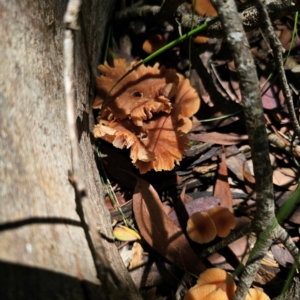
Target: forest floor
[(211, 162)]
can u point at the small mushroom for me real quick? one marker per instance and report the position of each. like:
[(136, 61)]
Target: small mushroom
[(153, 43), (220, 278), (205, 292), (254, 294), (205, 8), (201, 228), (200, 39), (223, 219)]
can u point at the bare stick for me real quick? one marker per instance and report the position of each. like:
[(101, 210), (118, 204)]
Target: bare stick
[(278, 60), (264, 221), (287, 241), (235, 235)]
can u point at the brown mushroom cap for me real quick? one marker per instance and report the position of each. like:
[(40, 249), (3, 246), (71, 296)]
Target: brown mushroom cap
[(153, 43), (224, 220), (200, 39), (205, 8), (201, 228), (147, 112), (220, 278), (254, 294), (205, 292)]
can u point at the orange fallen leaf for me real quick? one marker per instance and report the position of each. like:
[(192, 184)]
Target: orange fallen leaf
[(160, 232)]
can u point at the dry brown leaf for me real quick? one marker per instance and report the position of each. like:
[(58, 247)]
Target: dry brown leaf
[(281, 179), (238, 247), (154, 273), (184, 210), (160, 232), (222, 188), (137, 256), (237, 164), (282, 255), (219, 138), (149, 113), (249, 180), (295, 217)]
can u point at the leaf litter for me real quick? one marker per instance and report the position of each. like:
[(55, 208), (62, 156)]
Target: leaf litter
[(211, 166)]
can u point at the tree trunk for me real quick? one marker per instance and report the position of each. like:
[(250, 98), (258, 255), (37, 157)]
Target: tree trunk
[(44, 249)]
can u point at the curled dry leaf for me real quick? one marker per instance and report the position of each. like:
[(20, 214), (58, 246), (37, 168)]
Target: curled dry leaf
[(123, 233), (160, 232), (147, 112), (137, 256)]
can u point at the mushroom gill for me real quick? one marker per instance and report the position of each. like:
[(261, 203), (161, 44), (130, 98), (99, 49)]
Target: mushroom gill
[(148, 112)]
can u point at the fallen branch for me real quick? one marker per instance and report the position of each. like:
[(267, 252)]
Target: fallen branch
[(114, 288)]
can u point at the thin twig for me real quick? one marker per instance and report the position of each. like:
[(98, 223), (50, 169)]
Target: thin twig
[(146, 12), (264, 220), (235, 235), (289, 244), (278, 60)]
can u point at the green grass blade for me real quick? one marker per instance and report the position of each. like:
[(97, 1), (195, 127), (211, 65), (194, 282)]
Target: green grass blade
[(107, 44), (163, 49), (221, 117), (190, 38), (293, 35)]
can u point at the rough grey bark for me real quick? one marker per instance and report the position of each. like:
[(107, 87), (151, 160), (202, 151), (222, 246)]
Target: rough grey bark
[(44, 250)]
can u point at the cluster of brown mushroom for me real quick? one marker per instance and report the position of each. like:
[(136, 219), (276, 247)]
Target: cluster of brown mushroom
[(148, 112), (203, 227), (203, 8), (157, 40), (217, 284)]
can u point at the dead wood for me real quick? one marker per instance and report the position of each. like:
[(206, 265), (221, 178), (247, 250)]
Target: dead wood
[(46, 251)]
